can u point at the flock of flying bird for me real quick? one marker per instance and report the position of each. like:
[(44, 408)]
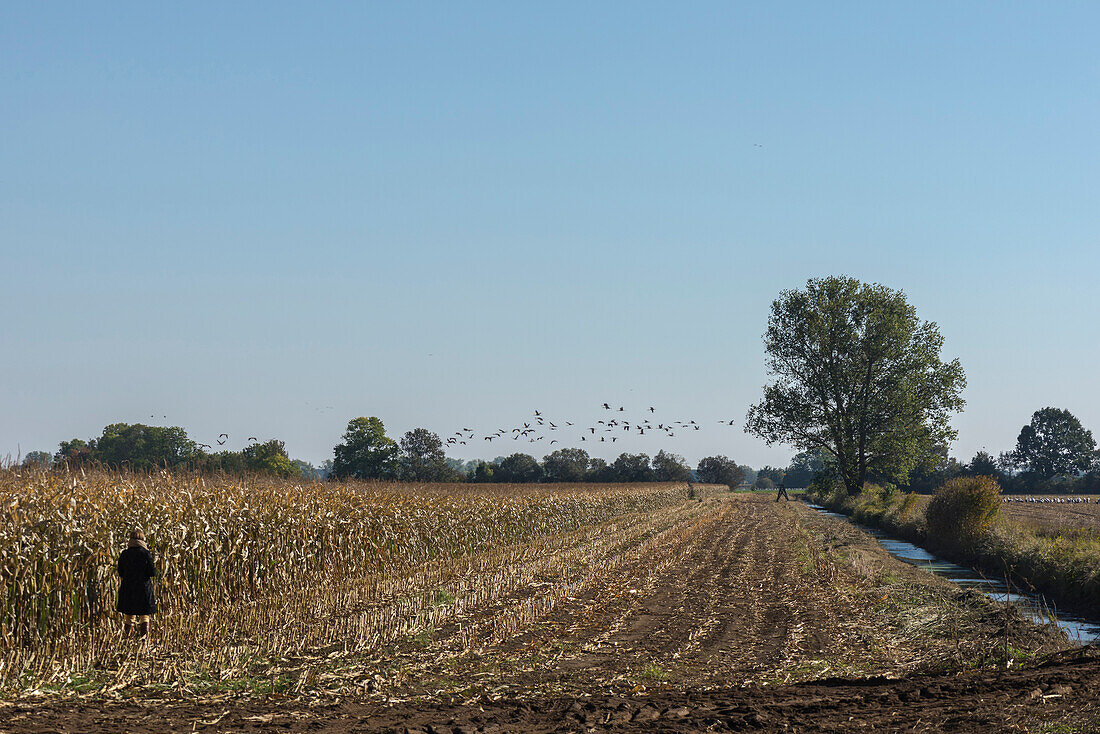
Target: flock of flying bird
[(539, 428), (533, 429), (222, 438)]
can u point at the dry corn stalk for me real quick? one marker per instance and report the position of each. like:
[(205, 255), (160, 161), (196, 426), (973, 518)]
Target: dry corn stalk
[(239, 558)]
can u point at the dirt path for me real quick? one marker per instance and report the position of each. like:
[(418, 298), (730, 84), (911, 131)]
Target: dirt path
[(730, 613), (1059, 696)]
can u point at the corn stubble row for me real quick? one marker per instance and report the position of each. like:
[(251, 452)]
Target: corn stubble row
[(242, 563)]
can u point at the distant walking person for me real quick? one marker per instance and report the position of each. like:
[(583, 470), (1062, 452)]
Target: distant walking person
[(782, 492), (135, 593)]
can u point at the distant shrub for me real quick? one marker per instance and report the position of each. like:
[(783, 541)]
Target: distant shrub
[(963, 509), (764, 483)]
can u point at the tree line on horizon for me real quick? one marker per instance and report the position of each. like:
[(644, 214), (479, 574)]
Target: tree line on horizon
[(366, 452), (1054, 454)]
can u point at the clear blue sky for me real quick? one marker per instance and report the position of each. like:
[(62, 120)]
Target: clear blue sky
[(267, 219)]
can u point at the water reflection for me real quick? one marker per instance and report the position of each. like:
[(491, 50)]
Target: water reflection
[(1035, 606)]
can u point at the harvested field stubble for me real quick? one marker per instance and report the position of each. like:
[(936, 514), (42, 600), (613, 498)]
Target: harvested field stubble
[(1056, 514), (248, 571), (725, 614)]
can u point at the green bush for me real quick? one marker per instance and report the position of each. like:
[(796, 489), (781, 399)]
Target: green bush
[(963, 509)]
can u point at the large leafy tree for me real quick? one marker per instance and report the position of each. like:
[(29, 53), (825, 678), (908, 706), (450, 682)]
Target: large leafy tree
[(519, 469), (565, 465), (1054, 443), (76, 451), (632, 468), (670, 468), (720, 470), (142, 447), (422, 458), (366, 452), (270, 457), (983, 464), (859, 376), (599, 471), (38, 460), (772, 473)]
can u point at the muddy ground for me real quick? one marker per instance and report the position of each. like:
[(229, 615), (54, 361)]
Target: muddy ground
[(732, 613)]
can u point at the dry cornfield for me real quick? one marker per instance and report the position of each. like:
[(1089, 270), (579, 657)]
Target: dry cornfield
[(263, 569)]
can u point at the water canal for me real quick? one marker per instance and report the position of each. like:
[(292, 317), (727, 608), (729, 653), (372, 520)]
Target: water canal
[(1035, 606)]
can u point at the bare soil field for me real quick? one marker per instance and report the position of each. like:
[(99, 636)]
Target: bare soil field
[(728, 613), (1053, 516)]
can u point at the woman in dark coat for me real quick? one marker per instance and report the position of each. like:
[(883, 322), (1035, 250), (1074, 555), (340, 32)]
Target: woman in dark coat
[(135, 593)]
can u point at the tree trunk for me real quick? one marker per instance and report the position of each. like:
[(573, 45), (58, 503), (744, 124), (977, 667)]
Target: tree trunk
[(853, 480)]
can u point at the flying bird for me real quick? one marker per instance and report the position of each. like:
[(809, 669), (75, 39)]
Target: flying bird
[(606, 406)]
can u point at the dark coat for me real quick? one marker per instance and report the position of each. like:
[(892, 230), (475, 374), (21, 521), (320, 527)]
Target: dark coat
[(135, 593)]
